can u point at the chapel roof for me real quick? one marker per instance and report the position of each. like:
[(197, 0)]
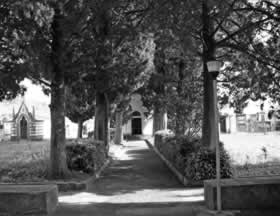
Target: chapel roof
[(24, 109)]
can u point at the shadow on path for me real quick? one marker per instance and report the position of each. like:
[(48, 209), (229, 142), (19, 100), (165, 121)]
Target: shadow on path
[(136, 183)]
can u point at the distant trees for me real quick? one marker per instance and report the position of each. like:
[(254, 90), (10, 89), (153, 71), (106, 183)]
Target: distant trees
[(114, 27), (80, 104)]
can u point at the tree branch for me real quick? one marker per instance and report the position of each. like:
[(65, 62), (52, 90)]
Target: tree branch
[(224, 18), (41, 81), (239, 31)]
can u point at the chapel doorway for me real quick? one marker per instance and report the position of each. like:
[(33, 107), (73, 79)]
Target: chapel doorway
[(136, 123), (223, 124), (23, 128)]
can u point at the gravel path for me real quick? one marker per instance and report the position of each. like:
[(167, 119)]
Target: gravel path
[(137, 183)]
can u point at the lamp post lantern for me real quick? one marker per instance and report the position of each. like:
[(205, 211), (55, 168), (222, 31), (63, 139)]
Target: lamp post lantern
[(214, 69)]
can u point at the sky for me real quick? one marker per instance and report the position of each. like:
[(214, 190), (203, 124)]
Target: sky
[(34, 96)]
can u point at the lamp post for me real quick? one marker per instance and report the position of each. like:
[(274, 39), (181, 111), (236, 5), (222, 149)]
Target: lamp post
[(214, 69)]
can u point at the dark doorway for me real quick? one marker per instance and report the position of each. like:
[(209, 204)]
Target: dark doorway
[(223, 124), (136, 123), (23, 128)]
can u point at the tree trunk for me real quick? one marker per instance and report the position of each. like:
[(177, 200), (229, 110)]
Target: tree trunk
[(80, 129), (179, 127), (104, 54), (208, 128), (58, 167), (179, 121), (160, 119), (118, 139), (102, 119)]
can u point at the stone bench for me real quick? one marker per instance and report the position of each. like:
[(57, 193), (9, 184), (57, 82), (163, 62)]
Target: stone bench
[(261, 193), (28, 199)]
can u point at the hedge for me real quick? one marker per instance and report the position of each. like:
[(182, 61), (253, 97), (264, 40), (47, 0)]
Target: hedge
[(85, 155), (194, 161)]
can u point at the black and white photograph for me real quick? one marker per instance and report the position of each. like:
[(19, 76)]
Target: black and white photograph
[(139, 107)]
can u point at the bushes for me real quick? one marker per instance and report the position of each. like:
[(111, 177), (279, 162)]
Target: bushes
[(201, 164), (175, 149), (85, 155), (193, 160)]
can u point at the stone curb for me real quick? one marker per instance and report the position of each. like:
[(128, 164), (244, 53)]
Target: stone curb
[(98, 173), (206, 212), (71, 185), (83, 185), (179, 176)]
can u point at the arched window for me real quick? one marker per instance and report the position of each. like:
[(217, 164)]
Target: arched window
[(136, 114)]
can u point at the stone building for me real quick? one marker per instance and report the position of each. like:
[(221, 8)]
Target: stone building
[(24, 125), (141, 123)]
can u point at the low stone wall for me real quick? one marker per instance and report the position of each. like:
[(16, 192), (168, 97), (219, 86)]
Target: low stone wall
[(28, 199), (262, 193)]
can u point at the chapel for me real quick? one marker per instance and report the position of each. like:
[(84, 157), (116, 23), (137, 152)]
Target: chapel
[(140, 123), (24, 124)]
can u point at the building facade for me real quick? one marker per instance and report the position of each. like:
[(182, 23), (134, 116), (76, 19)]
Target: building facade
[(24, 125), (141, 123)]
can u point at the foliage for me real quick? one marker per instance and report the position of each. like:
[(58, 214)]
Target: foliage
[(234, 31), (80, 103), (175, 86), (194, 161), (10, 60), (185, 105), (85, 155), (201, 164), (25, 171), (176, 148)]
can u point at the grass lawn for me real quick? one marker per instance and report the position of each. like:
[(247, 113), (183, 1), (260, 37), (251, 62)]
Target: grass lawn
[(25, 161), (254, 154), (23, 151)]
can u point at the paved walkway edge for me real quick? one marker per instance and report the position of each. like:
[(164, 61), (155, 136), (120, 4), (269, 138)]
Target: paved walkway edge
[(206, 212), (98, 173), (179, 176)]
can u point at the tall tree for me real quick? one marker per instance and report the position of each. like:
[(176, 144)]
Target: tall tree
[(113, 24), (45, 40), (136, 69), (218, 27)]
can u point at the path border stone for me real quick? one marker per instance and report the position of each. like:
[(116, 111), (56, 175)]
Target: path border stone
[(179, 176), (248, 194), (28, 199), (64, 186)]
